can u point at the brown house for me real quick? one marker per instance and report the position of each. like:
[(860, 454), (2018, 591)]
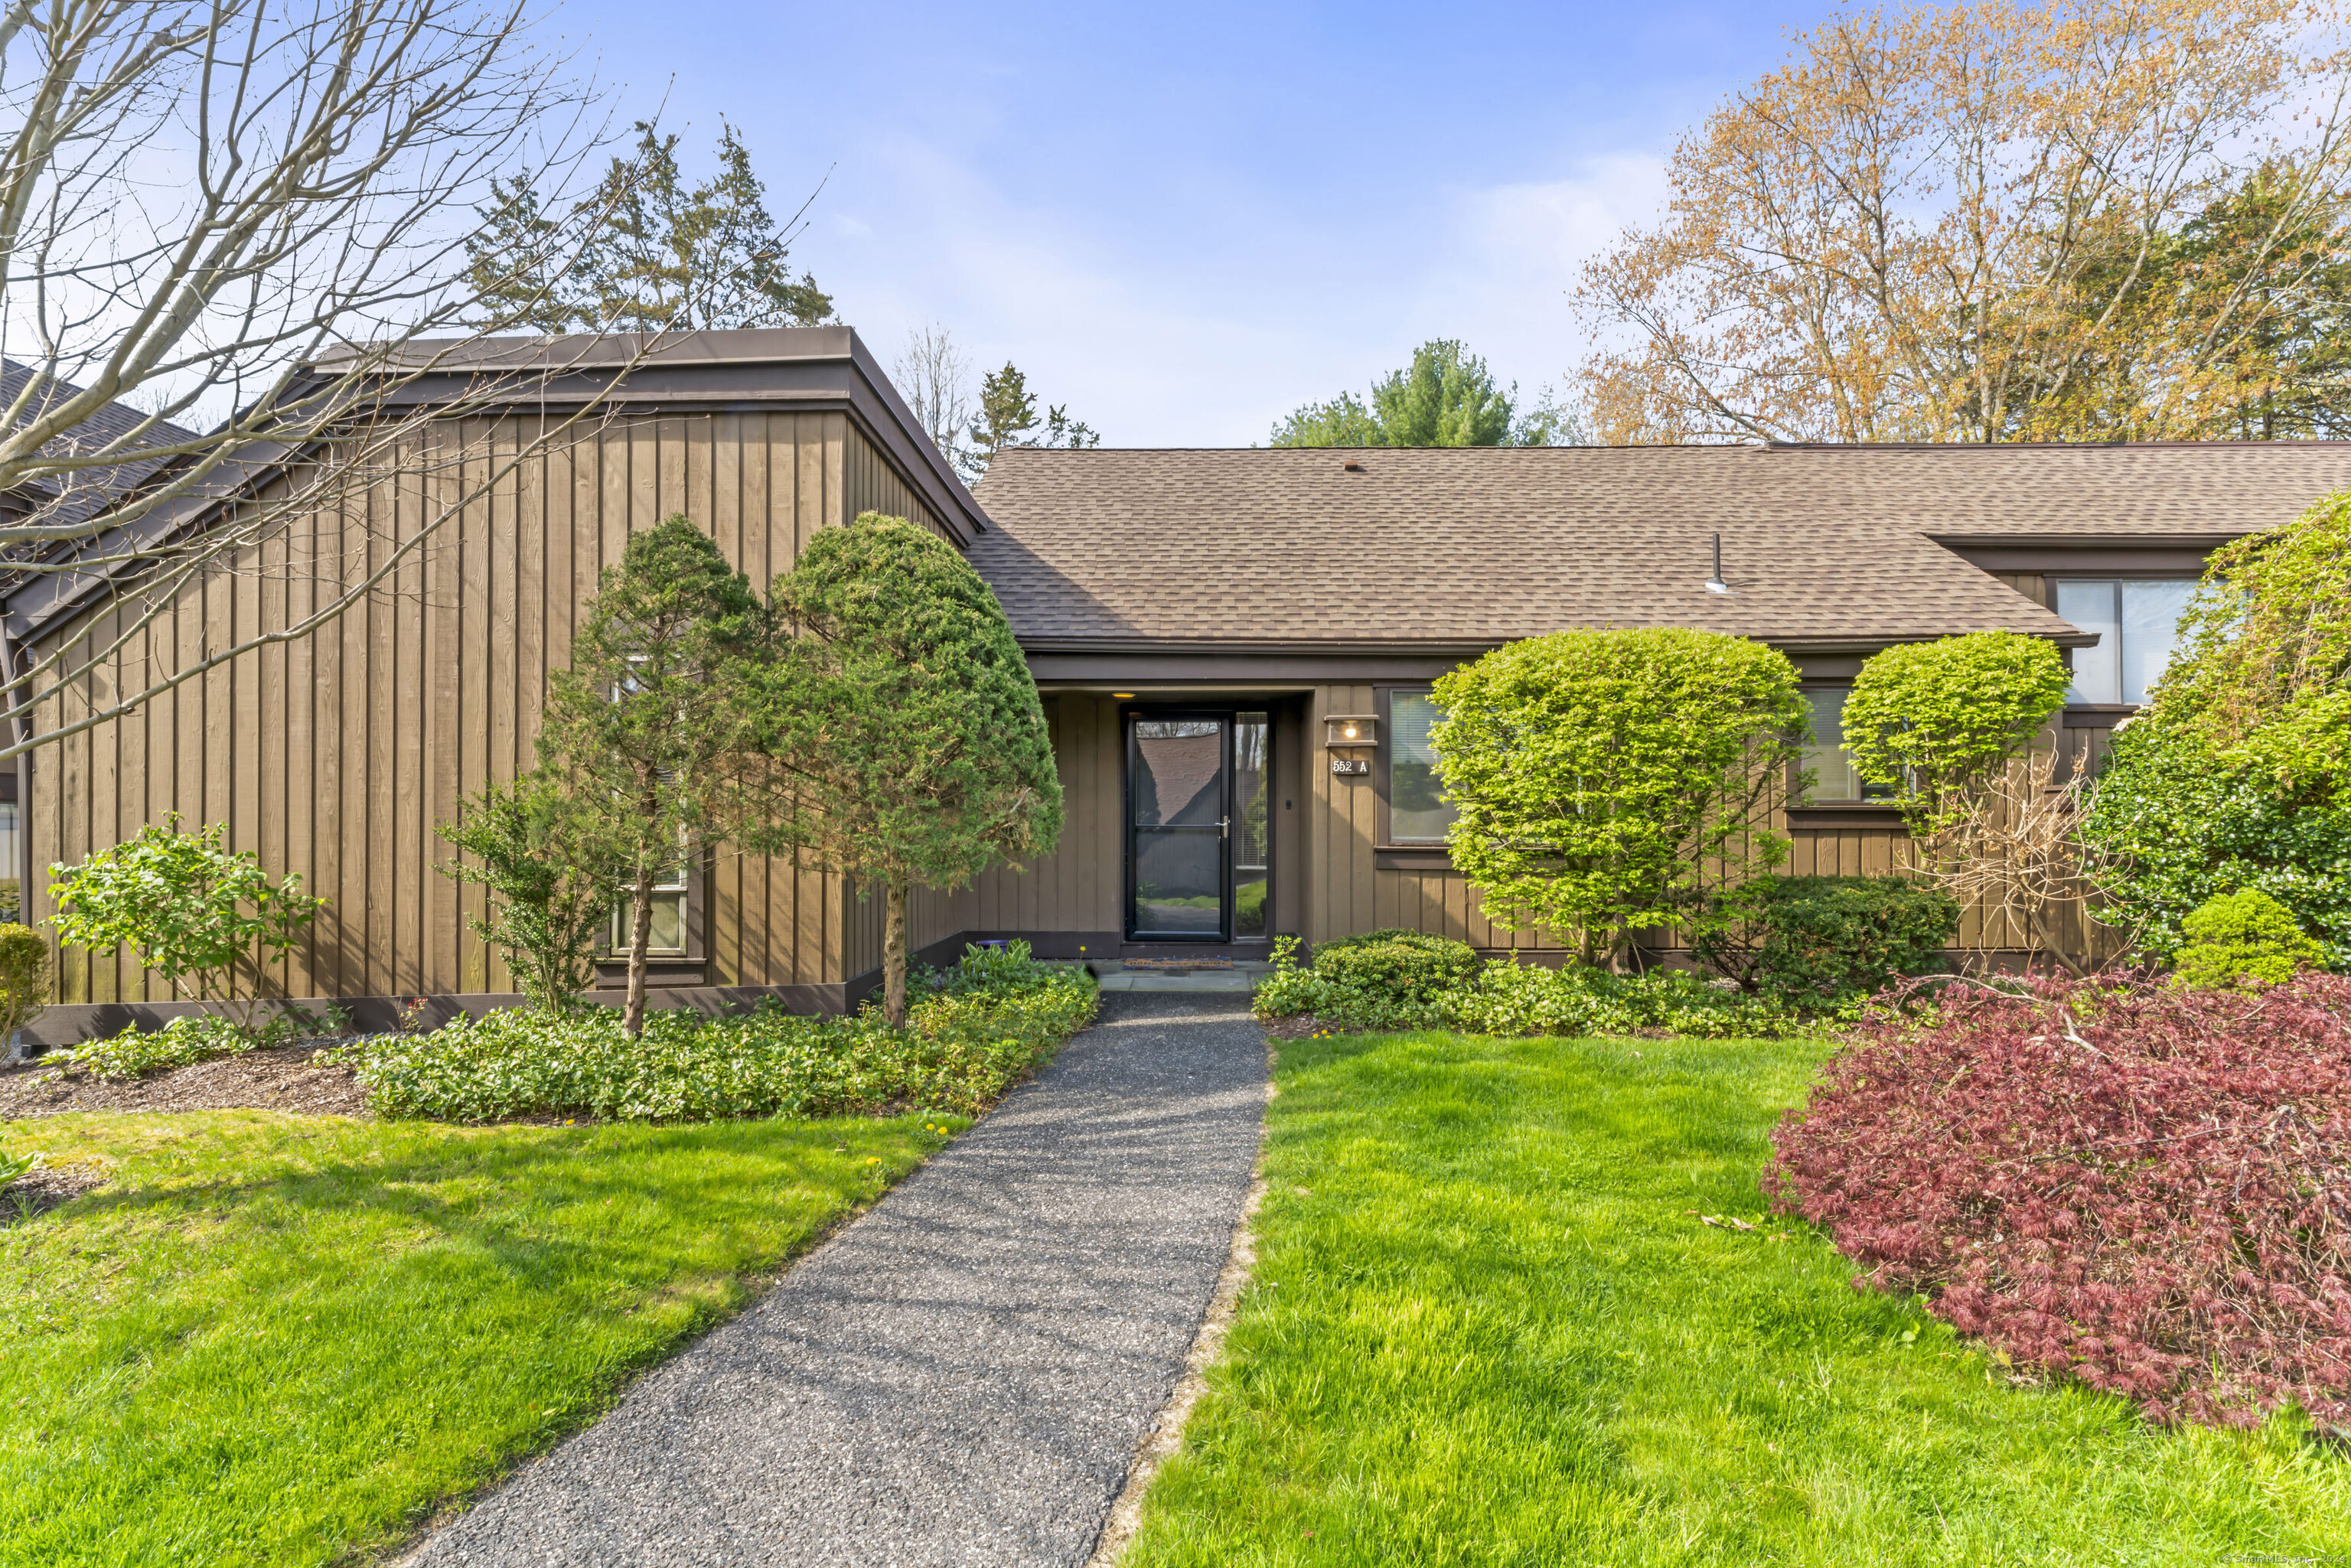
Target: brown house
[(1235, 649)]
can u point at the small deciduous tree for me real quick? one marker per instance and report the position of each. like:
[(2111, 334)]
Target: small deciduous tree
[(550, 869), (1938, 721), (905, 738), (642, 730), (1600, 778), (194, 912)]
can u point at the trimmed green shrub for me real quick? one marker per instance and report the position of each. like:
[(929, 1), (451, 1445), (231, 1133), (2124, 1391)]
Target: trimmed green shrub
[(1933, 720), (2240, 936), (974, 1033), (1817, 938), (1410, 965), (23, 980), (1596, 773)]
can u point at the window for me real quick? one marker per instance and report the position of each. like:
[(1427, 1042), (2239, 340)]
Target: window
[(10, 907), (1417, 813), (1252, 787), (667, 937), (2137, 624), (1824, 756)]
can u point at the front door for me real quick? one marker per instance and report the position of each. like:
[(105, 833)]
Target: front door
[(1196, 865)]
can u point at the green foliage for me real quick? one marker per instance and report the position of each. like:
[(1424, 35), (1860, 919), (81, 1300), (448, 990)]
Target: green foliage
[(1816, 939), (2244, 936), (1445, 397), (1007, 417), (2187, 824), (13, 1165), (1491, 1325), (1382, 982), (551, 869), (905, 735), (1410, 965), (181, 1042), (644, 253), (24, 978), (1597, 775), (1934, 720), (971, 1035), (194, 913), (2263, 671), (646, 729), (323, 1330)]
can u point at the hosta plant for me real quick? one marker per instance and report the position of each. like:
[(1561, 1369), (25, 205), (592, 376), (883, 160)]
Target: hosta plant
[(2134, 1184)]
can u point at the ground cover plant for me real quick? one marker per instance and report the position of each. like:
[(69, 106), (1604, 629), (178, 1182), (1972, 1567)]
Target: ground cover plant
[(2134, 1184), (1409, 980), (975, 1031), (1490, 1324), (282, 1341)]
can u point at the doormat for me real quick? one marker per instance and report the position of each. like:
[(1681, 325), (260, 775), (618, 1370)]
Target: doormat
[(1178, 963)]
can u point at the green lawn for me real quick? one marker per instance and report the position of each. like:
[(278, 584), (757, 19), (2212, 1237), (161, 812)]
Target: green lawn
[(281, 1340), (1485, 1329)]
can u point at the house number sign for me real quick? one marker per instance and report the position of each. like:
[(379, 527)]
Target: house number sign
[(1350, 766)]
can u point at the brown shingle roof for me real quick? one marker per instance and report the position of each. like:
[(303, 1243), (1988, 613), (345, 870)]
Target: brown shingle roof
[(1471, 546)]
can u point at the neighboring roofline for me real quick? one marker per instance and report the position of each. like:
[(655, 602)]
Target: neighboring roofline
[(800, 369), (583, 367), (1445, 647)]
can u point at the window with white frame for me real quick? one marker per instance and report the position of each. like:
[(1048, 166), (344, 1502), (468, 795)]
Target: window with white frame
[(2137, 624)]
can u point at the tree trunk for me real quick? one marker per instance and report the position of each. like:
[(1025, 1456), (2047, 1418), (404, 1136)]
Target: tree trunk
[(2038, 923), (641, 934), (894, 957)]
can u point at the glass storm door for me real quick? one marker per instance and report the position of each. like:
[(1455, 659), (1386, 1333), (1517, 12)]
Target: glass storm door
[(1197, 830), (1179, 822)]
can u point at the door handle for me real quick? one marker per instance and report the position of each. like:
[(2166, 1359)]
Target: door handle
[(1225, 827)]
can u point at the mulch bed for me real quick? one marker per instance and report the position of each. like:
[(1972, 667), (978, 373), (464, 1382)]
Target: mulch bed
[(279, 1080)]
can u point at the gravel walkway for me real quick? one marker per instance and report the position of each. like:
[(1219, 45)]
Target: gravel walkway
[(961, 1376)]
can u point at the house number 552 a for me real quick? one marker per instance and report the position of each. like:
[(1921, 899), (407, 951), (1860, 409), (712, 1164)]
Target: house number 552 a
[(1348, 766)]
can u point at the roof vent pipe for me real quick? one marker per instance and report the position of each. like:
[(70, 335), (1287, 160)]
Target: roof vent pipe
[(1715, 584)]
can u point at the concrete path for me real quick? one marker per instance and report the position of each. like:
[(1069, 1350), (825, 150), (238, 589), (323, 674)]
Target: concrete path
[(962, 1375)]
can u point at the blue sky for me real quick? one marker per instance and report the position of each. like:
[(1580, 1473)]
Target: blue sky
[(1183, 221)]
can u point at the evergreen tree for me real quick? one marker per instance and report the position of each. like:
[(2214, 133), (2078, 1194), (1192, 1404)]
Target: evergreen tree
[(1008, 414), (905, 743), (645, 726), (661, 254), (1445, 397)]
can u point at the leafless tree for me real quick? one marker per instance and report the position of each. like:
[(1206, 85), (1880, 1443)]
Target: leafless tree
[(935, 378), (251, 221), (2014, 853)]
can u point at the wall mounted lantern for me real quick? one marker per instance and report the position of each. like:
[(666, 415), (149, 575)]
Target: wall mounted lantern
[(1342, 731)]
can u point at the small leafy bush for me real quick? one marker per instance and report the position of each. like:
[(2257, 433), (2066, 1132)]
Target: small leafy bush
[(1934, 720), (1529, 998), (1504, 997), (979, 1027), (1816, 939), (2132, 1184), (2240, 936), (181, 1042), (1411, 966), (23, 979)]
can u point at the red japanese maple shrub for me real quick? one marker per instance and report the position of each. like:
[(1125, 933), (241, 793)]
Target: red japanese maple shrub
[(2142, 1187)]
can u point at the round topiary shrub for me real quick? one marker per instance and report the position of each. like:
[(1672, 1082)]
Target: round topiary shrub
[(2245, 936), (1408, 965)]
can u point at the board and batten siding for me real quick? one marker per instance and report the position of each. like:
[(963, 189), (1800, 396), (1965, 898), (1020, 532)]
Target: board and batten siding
[(335, 755)]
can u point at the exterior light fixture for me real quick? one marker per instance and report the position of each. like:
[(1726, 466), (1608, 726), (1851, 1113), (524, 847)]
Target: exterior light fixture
[(1124, 696), (1345, 731), (1715, 584)]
